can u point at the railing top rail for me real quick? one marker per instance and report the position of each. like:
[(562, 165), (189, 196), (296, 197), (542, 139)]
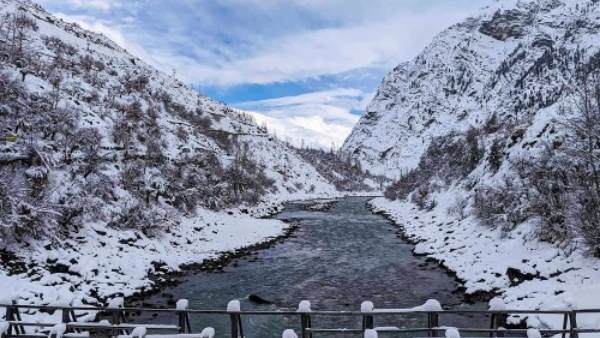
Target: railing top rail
[(379, 312)]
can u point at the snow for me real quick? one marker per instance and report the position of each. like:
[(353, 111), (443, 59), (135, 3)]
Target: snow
[(4, 326), (452, 332), (497, 304), (104, 261), (58, 330), (182, 304), (533, 333), (370, 334), (116, 303), (289, 333), (139, 332), (234, 306), (207, 332), (367, 306), (304, 306), (481, 255), (457, 82), (431, 305)]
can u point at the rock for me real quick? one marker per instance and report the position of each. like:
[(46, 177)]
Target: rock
[(258, 299)]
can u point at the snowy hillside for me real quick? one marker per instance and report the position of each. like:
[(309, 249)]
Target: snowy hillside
[(508, 63), (504, 105), (492, 136), (105, 159)]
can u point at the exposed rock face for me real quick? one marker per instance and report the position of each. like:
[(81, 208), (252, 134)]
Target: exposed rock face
[(509, 62)]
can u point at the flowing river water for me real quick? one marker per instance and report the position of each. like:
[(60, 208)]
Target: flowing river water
[(336, 259)]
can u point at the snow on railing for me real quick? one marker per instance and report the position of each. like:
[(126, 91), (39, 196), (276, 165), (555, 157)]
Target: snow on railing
[(452, 332), (289, 333), (14, 327), (369, 333), (234, 308)]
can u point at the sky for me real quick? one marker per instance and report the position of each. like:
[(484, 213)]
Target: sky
[(306, 68)]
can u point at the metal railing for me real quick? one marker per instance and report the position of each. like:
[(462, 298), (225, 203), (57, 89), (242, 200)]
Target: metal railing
[(117, 321)]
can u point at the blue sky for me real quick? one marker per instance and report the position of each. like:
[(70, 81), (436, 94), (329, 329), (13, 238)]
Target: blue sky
[(307, 68)]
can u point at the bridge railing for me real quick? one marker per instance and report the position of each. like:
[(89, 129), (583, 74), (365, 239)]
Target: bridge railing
[(116, 324)]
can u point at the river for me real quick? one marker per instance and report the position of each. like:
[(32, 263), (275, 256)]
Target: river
[(336, 259)]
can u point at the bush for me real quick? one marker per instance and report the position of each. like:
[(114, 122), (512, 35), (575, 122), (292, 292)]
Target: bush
[(448, 158), (501, 205)]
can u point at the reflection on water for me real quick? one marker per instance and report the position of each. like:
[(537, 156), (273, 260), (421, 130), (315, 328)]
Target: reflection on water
[(336, 259)]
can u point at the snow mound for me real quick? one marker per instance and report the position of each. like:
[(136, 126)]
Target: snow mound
[(234, 306), (57, 331), (431, 305), (116, 303), (367, 306), (139, 332), (533, 333), (304, 306), (497, 304), (4, 326), (370, 334), (207, 332), (289, 333), (182, 304), (452, 332)]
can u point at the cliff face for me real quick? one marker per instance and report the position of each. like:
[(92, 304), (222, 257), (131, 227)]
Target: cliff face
[(509, 63)]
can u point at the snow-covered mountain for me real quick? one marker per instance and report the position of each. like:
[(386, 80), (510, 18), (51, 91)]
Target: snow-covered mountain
[(508, 62), (109, 167), (493, 136), (96, 132)]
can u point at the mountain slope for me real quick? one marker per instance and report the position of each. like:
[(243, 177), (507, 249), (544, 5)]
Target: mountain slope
[(84, 119), (493, 138), (111, 171), (506, 63)]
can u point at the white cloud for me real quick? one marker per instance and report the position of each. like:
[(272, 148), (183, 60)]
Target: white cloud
[(319, 119), (388, 39), (103, 5), (287, 41)]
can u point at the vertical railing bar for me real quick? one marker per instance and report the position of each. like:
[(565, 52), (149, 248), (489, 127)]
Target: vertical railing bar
[(573, 321), (234, 326), (429, 325), (435, 322), (564, 326), (241, 326), (20, 329), (187, 322)]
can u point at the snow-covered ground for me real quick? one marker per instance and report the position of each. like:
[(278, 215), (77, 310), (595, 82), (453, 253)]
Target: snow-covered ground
[(481, 257), (109, 262)]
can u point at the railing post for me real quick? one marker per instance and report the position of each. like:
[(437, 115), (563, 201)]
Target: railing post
[(498, 318), (12, 314), (234, 309), (64, 315), (564, 327), (434, 323), (432, 307), (429, 324), (573, 320), (367, 307), (497, 321), (305, 322), (183, 316), (115, 307)]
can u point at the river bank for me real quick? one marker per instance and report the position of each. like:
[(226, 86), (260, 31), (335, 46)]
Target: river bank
[(521, 271)]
